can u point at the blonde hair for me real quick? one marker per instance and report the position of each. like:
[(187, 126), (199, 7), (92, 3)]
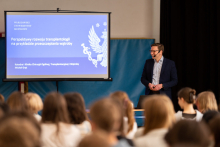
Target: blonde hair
[(34, 101), (123, 98), (206, 101), (159, 112), (106, 115)]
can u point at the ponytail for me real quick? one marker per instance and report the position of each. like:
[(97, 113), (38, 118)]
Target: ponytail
[(192, 96), (188, 94)]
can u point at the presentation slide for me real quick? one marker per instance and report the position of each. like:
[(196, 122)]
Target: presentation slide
[(57, 45)]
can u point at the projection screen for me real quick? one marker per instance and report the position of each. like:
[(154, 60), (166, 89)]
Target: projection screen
[(46, 45)]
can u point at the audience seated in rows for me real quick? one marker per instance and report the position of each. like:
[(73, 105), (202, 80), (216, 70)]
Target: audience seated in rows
[(159, 117), (65, 122), (188, 132), (35, 104), (129, 125), (77, 112), (206, 101), (106, 115), (186, 99), (56, 129)]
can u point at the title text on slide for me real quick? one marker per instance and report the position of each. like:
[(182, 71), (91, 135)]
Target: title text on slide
[(41, 41)]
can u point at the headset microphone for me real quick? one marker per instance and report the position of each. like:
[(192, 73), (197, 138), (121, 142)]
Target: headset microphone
[(156, 54)]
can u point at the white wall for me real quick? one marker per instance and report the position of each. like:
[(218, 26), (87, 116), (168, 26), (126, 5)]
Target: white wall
[(129, 18)]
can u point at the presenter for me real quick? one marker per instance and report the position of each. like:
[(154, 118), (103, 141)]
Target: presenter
[(159, 73)]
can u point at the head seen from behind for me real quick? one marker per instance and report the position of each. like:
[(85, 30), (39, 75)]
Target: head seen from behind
[(159, 113), (19, 129), (127, 106), (34, 102), (186, 96), (96, 139), (188, 132), (76, 107), (106, 115), (17, 101), (54, 109), (206, 101), (157, 50)]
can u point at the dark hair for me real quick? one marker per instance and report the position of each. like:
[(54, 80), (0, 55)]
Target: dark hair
[(19, 128), (209, 115), (215, 129), (190, 132), (55, 109), (17, 101), (159, 45), (188, 94), (76, 107)]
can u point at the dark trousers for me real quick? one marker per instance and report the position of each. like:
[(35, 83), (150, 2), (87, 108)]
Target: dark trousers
[(154, 92)]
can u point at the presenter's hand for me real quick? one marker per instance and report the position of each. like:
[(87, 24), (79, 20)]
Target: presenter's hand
[(151, 86), (158, 87)]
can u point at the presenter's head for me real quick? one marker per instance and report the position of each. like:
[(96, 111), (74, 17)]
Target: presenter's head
[(156, 51)]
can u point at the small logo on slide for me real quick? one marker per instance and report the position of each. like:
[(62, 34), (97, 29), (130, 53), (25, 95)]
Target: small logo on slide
[(94, 41)]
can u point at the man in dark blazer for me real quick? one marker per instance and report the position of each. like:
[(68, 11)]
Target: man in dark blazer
[(159, 74)]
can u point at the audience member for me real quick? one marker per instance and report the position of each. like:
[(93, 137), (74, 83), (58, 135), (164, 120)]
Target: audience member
[(206, 101), (188, 132), (35, 104), (17, 101), (214, 125), (96, 139), (185, 145), (209, 115), (4, 109), (130, 126), (19, 129), (186, 99), (77, 112), (56, 130), (159, 116), (2, 98), (106, 114)]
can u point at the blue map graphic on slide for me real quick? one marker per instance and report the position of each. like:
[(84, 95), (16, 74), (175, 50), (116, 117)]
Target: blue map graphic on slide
[(55, 44)]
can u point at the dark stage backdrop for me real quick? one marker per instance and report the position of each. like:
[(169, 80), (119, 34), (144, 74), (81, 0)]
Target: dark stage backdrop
[(190, 31)]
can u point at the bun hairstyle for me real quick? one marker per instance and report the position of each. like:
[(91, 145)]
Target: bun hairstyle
[(188, 94)]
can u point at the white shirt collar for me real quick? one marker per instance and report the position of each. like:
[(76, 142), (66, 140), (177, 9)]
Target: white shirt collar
[(161, 59)]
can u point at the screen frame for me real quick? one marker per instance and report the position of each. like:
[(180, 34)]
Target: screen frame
[(57, 79)]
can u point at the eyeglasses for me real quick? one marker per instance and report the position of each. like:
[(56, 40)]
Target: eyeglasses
[(153, 51)]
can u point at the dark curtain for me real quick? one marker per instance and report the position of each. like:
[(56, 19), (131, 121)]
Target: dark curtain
[(190, 32)]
